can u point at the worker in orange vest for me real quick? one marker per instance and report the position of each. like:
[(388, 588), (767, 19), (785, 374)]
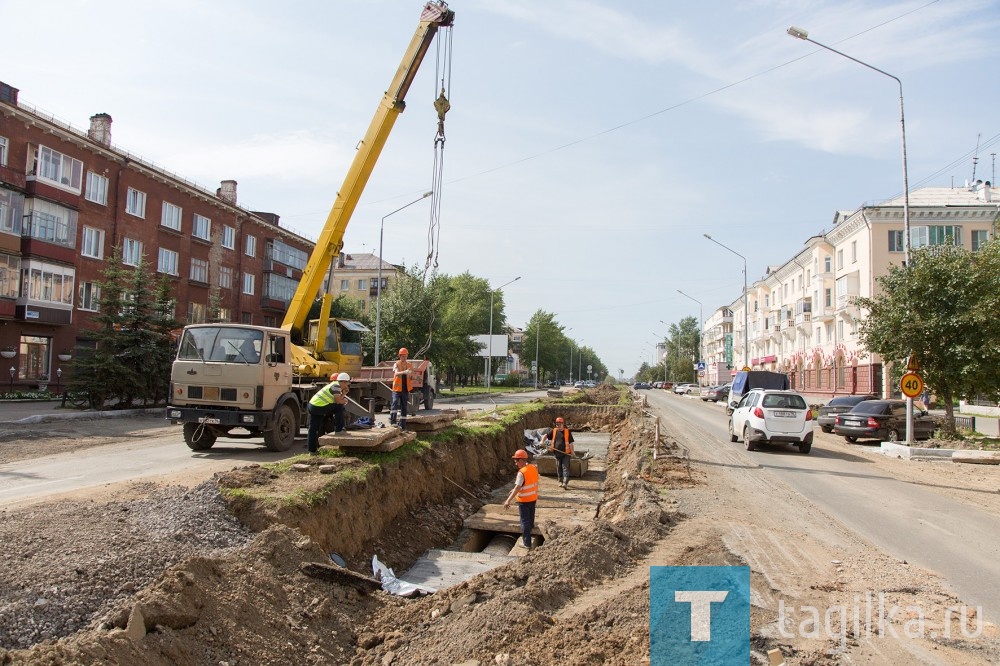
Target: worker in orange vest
[(526, 491), (401, 385), (561, 444)]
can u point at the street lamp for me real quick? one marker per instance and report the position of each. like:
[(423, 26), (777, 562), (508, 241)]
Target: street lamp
[(799, 33), (701, 326), (378, 287), (489, 343), (570, 357), (746, 303)]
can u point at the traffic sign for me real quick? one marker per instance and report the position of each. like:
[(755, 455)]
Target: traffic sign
[(912, 364), (911, 385), (701, 365), (746, 368), (701, 373)]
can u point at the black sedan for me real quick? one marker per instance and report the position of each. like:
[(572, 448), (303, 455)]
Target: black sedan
[(884, 420), (839, 405)]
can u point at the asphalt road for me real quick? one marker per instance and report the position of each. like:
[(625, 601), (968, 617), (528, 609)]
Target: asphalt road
[(163, 456), (958, 541)]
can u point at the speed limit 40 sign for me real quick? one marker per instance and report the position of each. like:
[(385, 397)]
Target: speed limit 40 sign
[(911, 385)]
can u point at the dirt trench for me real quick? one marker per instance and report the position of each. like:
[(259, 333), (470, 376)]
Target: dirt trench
[(256, 606)]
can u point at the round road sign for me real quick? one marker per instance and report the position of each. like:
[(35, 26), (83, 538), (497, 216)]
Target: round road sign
[(911, 385)]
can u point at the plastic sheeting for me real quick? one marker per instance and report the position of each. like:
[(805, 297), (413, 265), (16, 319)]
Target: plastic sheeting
[(394, 585)]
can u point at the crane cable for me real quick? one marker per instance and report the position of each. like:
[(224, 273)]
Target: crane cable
[(442, 73)]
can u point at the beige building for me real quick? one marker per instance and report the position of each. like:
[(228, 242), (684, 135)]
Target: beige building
[(357, 276), (803, 319)]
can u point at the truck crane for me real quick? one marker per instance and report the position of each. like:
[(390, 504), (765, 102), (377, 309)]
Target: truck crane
[(242, 381)]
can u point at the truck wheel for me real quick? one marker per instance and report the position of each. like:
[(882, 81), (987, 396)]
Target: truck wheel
[(281, 436), (428, 398), (746, 439), (198, 441)]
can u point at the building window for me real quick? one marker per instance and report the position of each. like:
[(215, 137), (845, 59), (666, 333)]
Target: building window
[(896, 240), (202, 227), (199, 270), (854, 252), (248, 283), (345, 285), (827, 264), (247, 317), (10, 276), (287, 255), (166, 261), (196, 313), (59, 169), (35, 354), (224, 314), (3, 151), (840, 259), (90, 296), (279, 287), (819, 335), (250, 247), (840, 329), (48, 283), (936, 235), (228, 237), (225, 277), (11, 211), (97, 188), (827, 298), (135, 203), (50, 222), (131, 252), (270, 320), (171, 216), (92, 243), (979, 238)]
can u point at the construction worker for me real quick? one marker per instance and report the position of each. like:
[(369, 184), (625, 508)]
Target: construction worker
[(328, 399), (561, 444), (340, 403), (401, 385), (526, 491)]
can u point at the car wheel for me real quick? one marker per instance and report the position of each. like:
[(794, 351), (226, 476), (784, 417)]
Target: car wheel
[(893, 435), (826, 428), (733, 437), (746, 439), (850, 438), (806, 445)]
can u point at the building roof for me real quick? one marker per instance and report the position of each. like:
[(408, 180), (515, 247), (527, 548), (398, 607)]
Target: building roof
[(945, 196), (364, 261)]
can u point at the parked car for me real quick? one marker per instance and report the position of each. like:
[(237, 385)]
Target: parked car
[(884, 420), (765, 416), (683, 389), (839, 405), (715, 393), (640, 385)]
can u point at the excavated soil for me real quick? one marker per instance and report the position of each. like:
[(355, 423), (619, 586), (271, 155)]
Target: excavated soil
[(580, 598)]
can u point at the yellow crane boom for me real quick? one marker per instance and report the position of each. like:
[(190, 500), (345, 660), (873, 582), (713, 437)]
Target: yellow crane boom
[(435, 15)]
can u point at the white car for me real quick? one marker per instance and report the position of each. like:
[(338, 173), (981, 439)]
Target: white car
[(764, 416), (682, 389)]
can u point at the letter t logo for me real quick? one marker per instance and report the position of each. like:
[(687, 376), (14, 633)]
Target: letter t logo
[(701, 610)]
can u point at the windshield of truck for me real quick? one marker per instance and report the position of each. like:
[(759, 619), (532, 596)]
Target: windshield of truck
[(221, 344)]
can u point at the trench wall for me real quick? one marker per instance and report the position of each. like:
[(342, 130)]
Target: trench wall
[(382, 511)]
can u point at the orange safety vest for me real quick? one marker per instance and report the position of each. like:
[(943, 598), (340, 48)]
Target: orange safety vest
[(397, 380), (567, 445), (529, 491)]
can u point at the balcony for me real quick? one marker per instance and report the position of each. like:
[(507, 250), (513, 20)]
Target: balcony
[(273, 304), (847, 307), (9, 176)]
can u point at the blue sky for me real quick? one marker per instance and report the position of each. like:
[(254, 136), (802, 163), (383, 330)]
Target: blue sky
[(590, 144)]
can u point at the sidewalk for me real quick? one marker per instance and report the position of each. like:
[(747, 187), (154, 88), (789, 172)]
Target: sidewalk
[(31, 411)]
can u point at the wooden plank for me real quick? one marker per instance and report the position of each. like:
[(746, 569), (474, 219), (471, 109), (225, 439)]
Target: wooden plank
[(383, 447), (340, 575), (360, 438)]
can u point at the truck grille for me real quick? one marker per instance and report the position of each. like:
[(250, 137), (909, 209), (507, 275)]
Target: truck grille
[(211, 393)]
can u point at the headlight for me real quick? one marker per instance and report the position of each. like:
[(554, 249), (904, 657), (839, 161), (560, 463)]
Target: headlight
[(175, 414), (249, 418)]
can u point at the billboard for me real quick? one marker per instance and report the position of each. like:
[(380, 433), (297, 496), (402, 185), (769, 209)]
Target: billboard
[(498, 347)]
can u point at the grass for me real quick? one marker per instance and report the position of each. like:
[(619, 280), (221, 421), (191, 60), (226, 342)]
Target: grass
[(464, 391)]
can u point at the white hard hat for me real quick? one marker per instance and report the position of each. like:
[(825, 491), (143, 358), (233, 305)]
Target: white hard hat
[(343, 377)]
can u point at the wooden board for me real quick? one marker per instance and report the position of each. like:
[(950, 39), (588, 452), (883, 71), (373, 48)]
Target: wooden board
[(341, 576), (365, 441)]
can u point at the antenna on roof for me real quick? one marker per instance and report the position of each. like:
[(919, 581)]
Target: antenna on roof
[(975, 158)]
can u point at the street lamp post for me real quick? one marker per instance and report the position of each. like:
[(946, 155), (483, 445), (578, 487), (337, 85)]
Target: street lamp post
[(378, 287), (538, 332), (489, 342), (701, 326), (799, 33), (746, 303), (570, 357), (664, 352)]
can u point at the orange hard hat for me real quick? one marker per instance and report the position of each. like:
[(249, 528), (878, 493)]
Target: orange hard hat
[(520, 454), (559, 419), (403, 352)]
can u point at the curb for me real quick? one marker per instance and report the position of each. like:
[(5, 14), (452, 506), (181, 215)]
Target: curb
[(108, 414), (894, 450)]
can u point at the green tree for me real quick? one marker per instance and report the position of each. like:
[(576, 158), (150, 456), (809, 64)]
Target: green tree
[(546, 335), (942, 309), (133, 345), (683, 345)]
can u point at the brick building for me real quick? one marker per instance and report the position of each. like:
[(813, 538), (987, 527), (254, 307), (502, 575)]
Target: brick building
[(69, 197)]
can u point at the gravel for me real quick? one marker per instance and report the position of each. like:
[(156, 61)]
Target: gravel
[(56, 580)]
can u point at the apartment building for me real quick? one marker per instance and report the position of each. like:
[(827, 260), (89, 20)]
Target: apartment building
[(69, 197), (357, 276), (803, 318)]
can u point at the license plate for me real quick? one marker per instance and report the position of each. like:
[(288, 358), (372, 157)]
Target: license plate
[(852, 423), (786, 415), (205, 419)]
